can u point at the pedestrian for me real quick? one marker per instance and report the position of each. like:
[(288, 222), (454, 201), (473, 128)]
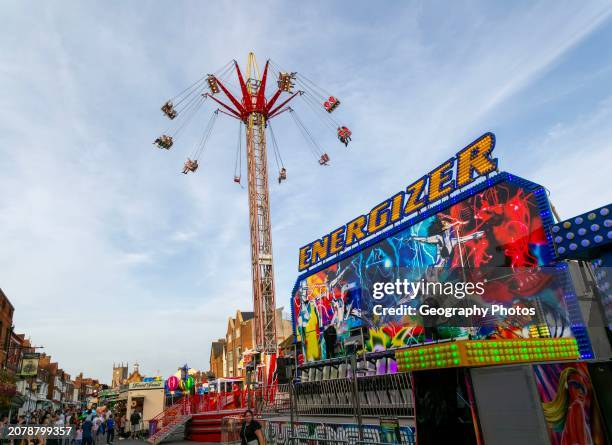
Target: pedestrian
[(102, 425), (120, 426), (3, 425), (95, 427), (53, 421), (110, 429), (87, 430), (135, 423), (79, 435), (126, 426), (250, 431)]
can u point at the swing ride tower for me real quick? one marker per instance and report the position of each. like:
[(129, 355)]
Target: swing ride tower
[(249, 105), (254, 111)]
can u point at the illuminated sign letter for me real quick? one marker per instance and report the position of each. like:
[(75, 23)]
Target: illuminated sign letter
[(475, 157), (320, 249), (441, 181), (354, 230), (336, 243), (413, 192), (304, 257), (379, 217), (396, 207)]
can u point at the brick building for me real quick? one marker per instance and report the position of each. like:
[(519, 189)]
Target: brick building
[(217, 358), (86, 388), (240, 338), (6, 326), (18, 344)]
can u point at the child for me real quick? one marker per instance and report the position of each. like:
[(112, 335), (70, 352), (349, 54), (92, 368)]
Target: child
[(79, 434)]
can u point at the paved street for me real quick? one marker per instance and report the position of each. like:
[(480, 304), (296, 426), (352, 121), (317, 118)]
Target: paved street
[(170, 442), (142, 442)]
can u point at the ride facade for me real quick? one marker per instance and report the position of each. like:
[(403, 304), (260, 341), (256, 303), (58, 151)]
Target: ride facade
[(533, 371)]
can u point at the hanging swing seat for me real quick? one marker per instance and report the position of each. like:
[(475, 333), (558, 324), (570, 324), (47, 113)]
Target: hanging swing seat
[(285, 81), (168, 110), (190, 166), (331, 104), (344, 134), (164, 141), (324, 159), (282, 175)]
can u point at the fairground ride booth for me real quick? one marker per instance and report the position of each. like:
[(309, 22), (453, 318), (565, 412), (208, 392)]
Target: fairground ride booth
[(145, 397), (507, 356)]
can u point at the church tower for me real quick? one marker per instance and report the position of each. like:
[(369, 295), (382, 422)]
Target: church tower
[(120, 373)]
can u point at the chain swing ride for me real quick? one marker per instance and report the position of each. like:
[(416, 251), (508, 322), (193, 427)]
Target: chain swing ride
[(254, 111)]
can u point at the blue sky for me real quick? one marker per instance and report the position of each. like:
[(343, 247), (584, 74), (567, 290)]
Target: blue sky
[(110, 254)]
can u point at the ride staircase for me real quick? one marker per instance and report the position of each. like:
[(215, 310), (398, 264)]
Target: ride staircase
[(170, 424), (199, 418)]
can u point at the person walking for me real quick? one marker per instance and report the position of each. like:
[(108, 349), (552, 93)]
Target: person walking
[(101, 428), (135, 424), (95, 427), (121, 426), (87, 433), (79, 435), (110, 429)]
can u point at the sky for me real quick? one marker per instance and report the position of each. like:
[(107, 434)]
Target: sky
[(109, 254)]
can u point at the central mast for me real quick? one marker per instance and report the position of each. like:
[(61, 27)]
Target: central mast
[(259, 210), (261, 238)]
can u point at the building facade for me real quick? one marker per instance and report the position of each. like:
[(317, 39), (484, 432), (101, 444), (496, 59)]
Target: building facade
[(6, 326), (87, 390), (230, 356), (238, 338), (217, 358)]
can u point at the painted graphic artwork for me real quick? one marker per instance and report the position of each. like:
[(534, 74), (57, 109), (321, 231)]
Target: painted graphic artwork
[(500, 227), (279, 433), (570, 409)]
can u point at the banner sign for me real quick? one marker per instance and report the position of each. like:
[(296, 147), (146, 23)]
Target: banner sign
[(29, 364), (459, 171), (108, 393), (157, 384)]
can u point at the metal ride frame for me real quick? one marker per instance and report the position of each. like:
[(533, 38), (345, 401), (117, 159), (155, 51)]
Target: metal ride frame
[(254, 110)]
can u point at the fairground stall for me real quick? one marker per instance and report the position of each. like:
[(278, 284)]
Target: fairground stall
[(147, 398), (456, 311)]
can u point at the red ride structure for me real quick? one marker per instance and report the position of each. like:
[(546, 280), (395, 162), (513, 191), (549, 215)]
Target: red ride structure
[(254, 109)]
